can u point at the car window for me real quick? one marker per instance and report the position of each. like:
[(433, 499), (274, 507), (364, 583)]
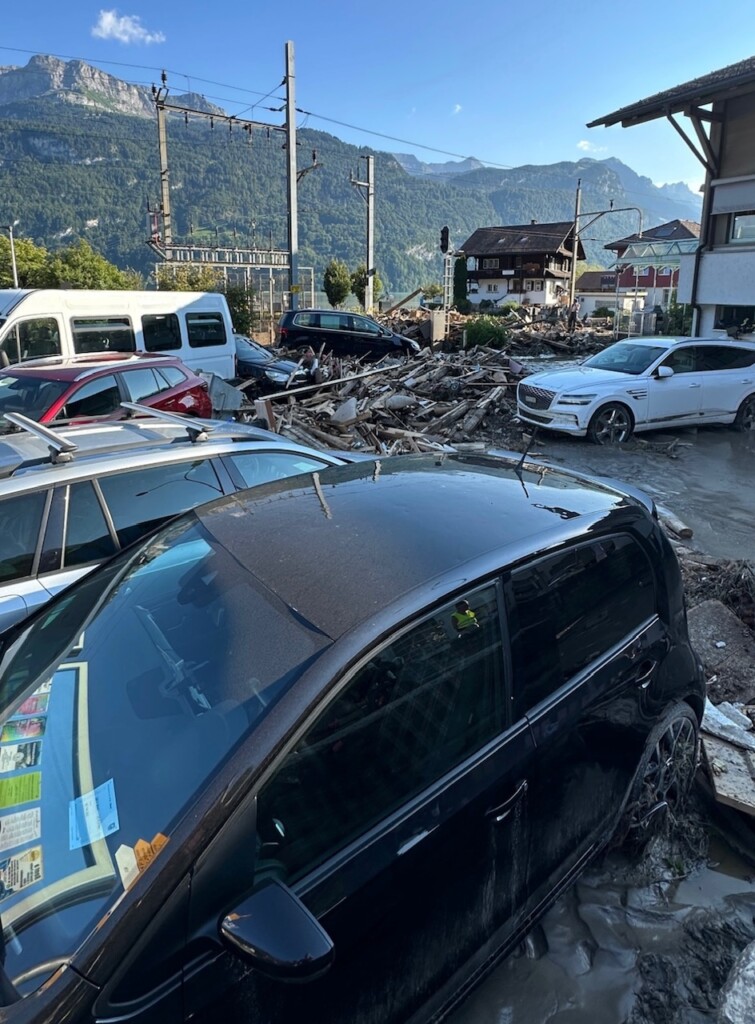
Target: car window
[(259, 467), (331, 321), (28, 395), (418, 708), (724, 357), (32, 339), (365, 326), (172, 375), (308, 320), (205, 329), (87, 536), (143, 498), (142, 384), (567, 610), (625, 357), (682, 360), (103, 334), (21, 518), (97, 397), (161, 333)]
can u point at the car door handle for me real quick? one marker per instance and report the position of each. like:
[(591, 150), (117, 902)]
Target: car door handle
[(644, 673), (502, 811), (694, 385), (414, 841)]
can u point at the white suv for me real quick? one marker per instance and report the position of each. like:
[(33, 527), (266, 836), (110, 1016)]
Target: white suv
[(645, 384), (71, 498)]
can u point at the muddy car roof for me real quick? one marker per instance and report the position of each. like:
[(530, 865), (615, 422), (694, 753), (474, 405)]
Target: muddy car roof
[(341, 545)]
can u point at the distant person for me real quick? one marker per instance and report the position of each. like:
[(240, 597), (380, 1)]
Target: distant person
[(571, 322)]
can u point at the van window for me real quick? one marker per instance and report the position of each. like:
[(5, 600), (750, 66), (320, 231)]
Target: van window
[(569, 609), (102, 334), (161, 333), (32, 339), (21, 519), (415, 711), (205, 329)]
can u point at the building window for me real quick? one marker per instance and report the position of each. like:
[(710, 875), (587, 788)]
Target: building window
[(735, 316), (492, 287), (490, 264), (743, 228)]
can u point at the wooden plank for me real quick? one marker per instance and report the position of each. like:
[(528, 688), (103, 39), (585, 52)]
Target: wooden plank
[(730, 774)]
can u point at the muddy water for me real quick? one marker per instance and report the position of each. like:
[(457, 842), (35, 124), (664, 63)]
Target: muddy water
[(630, 943)]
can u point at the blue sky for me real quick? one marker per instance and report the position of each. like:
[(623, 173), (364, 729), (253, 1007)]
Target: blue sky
[(506, 82)]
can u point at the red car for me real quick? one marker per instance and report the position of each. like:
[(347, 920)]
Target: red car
[(94, 387)]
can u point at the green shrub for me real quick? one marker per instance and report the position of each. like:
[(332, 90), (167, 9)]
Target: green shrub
[(602, 311), (486, 330)]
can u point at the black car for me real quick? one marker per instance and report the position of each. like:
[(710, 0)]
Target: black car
[(254, 361), (343, 334), (355, 730)]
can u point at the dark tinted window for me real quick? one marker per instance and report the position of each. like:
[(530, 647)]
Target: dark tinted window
[(32, 339), (307, 320), (259, 467), (416, 710), (724, 357), (97, 397), (332, 321), (172, 375), (567, 610), (359, 323), (682, 360), (161, 333), (28, 395), (87, 536), (144, 498), (102, 334), (142, 384), (21, 519), (205, 329)]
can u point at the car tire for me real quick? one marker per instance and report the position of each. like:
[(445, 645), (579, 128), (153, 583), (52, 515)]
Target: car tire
[(744, 421), (664, 777), (611, 424)]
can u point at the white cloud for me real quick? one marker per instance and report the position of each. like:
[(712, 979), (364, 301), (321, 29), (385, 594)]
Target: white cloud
[(125, 28), (456, 109), (590, 147)]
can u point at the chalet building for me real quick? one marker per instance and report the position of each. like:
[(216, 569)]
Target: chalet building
[(718, 278), (524, 263)]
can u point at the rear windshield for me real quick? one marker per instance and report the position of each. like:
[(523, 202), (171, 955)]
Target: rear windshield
[(28, 395)]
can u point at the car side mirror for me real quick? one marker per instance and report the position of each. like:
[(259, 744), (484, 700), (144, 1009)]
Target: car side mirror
[(664, 371), (277, 935)]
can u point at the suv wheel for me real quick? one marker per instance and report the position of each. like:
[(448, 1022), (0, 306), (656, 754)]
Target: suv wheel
[(745, 418), (611, 424), (664, 776)]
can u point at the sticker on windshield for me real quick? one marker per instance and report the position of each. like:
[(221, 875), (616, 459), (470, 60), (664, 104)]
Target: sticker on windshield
[(20, 755), (35, 705), (19, 828), (92, 816), (23, 729), (132, 860), (21, 789), (20, 871)]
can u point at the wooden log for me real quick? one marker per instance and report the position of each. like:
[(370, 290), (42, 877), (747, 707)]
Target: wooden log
[(673, 523), (476, 415), (450, 417)]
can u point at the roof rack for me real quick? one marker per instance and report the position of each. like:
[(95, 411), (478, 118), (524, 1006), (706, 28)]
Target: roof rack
[(61, 449), (191, 426)]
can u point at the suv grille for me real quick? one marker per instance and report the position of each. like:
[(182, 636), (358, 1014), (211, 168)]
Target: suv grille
[(535, 398)]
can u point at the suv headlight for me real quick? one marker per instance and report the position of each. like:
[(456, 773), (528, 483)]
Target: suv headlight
[(576, 399), (276, 376)]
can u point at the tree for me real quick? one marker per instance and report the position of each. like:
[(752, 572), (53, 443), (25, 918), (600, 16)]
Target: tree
[(460, 285), (359, 283), (31, 264), (336, 282), (79, 266), (185, 277), (433, 290)]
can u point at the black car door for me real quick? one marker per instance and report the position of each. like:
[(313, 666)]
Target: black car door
[(398, 818), (586, 642)]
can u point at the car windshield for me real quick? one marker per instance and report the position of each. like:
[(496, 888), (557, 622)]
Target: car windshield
[(245, 347), (28, 395), (117, 705), (626, 357)]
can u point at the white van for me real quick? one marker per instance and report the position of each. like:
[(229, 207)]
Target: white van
[(194, 326)]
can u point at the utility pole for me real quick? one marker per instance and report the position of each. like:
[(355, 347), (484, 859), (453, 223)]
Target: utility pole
[(369, 197), (162, 140), (9, 228), (573, 275), (293, 209)]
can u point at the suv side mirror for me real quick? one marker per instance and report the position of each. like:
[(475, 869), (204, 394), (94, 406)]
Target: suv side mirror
[(277, 935), (664, 371)]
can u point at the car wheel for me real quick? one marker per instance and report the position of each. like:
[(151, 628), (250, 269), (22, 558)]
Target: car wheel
[(611, 424), (664, 776), (745, 418)]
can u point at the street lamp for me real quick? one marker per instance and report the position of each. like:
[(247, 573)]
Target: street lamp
[(9, 228)]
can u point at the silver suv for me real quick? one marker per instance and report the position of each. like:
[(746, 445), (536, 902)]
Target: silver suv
[(73, 497)]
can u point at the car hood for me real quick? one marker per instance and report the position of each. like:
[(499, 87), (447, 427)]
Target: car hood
[(281, 365), (571, 377)]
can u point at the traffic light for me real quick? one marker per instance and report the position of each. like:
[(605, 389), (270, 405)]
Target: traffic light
[(444, 240)]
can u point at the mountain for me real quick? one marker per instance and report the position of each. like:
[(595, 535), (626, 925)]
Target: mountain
[(78, 159), (449, 169)]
